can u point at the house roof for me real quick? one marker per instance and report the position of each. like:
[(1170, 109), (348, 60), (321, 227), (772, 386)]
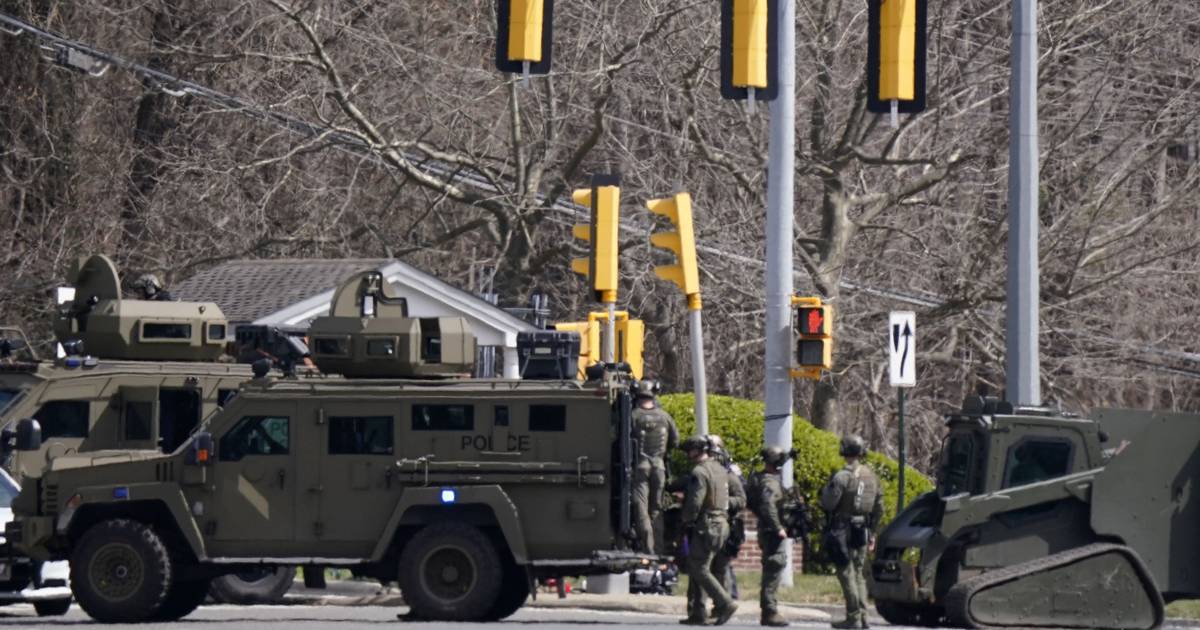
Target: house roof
[(247, 290)]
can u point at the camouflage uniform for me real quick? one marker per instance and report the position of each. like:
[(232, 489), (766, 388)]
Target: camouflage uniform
[(655, 432), (723, 558), (852, 500), (766, 491), (705, 514)]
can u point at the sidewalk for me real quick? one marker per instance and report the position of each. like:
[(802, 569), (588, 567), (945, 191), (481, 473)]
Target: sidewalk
[(665, 605)]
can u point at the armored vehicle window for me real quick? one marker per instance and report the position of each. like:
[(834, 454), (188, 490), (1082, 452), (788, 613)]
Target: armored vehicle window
[(6, 397), (547, 418), (1031, 461), (63, 418), (959, 461), (331, 345), (443, 418), (381, 347), (431, 341), (151, 330), (224, 396), (256, 435), (216, 333), (501, 417), (354, 435), (8, 490), (138, 420)]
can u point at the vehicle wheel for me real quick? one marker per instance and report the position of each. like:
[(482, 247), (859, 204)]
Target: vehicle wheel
[(899, 614), (52, 607), (255, 586), (450, 572), (121, 572), (183, 598), (514, 590)]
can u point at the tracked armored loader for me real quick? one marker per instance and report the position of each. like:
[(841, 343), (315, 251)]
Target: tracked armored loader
[(1048, 519), (463, 491)]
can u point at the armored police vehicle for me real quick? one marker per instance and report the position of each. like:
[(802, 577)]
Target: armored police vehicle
[(1046, 519), (463, 491)]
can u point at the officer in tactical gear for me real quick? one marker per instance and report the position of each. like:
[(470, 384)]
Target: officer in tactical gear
[(767, 501), (706, 518), (722, 565), (149, 287), (655, 432), (854, 505)]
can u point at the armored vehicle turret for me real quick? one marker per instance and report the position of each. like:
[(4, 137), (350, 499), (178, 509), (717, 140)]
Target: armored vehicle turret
[(368, 334), (1048, 519)]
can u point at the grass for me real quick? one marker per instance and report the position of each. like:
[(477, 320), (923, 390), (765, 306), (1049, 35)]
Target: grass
[(1184, 609), (808, 589)]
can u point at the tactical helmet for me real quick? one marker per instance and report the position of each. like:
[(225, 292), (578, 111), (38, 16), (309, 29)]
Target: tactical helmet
[(715, 443), (774, 456), (148, 282), (853, 446), (694, 443), (644, 389)]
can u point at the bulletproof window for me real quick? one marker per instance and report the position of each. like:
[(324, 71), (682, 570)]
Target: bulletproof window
[(256, 435), (337, 346), (360, 435), (501, 417), (547, 418), (431, 340), (443, 418), (959, 470), (381, 347), (224, 396), (63, 419), (1034, 460), (138, 420), (153, 330), (216, 333)]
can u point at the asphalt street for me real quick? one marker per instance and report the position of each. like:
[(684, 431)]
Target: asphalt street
[(353, 618)]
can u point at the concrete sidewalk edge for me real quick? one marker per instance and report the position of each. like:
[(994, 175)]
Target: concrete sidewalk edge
[(664, 605)]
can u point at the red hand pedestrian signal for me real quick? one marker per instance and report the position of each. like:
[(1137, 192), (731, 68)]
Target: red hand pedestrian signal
[(815, 318)]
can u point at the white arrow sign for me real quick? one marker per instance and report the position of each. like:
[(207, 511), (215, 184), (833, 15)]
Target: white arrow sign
[(902, 348)]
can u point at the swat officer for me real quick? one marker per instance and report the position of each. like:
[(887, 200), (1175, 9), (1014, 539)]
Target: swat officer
[(655, 432), (767, 500), (722, 564), (706, 518), (854, 506), (149, 287)]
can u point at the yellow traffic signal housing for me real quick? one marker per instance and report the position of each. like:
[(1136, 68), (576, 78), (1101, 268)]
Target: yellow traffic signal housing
[(896, 55), (523, 35), (681, 242), (749, 49), (601, 234), (814, 344), (631, 338)]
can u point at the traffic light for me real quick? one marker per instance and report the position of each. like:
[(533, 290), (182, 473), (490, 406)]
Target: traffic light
[(749, 49), (682, 242), (600, 267), (631, 338), (896, 55), (523, 35), (814, 345)]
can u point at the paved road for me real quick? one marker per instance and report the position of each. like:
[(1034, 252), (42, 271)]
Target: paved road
[(352, 618)]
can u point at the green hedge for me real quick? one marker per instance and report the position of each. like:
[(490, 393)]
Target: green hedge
[(740, 423)]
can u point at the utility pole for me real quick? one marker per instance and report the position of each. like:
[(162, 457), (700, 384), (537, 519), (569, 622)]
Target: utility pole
[(780, 170), (1021, 318)]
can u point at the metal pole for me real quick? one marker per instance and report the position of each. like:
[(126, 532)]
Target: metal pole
[(780, 170), (701, 408), (610, 334), (1021, 319), (900, 477)]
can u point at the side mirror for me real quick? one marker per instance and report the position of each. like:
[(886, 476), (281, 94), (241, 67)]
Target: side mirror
[(200, 452), (29, 435)]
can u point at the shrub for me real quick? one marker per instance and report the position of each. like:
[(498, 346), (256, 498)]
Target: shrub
[(739, 422)]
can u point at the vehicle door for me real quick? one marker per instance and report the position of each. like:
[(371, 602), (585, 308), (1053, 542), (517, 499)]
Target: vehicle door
[(354, 494), (253, 509), (137, 427)]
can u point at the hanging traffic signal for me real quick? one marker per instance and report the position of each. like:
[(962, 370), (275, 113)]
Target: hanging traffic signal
[(681, 242), (896, 56), (600, 266), (523, 35), (814, 343), (749, 49)]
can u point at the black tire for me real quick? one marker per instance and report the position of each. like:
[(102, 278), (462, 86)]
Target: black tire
[(514, 590), (899, 614), (450, 572), (52, 607), (264, 586), (121, 572), (182, 600)]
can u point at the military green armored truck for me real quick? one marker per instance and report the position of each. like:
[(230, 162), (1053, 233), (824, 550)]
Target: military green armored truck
[(1047, 519), (463, 491)]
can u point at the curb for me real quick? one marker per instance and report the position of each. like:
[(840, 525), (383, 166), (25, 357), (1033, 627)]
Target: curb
[(669, 605)]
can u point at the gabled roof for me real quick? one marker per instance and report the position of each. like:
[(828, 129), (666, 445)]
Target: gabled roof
[(247, 290)]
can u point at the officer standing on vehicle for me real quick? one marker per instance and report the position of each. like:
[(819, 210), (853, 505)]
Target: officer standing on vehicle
[(706, 518), (767, 500), (149, 287), (655, 432), (854, 506)]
